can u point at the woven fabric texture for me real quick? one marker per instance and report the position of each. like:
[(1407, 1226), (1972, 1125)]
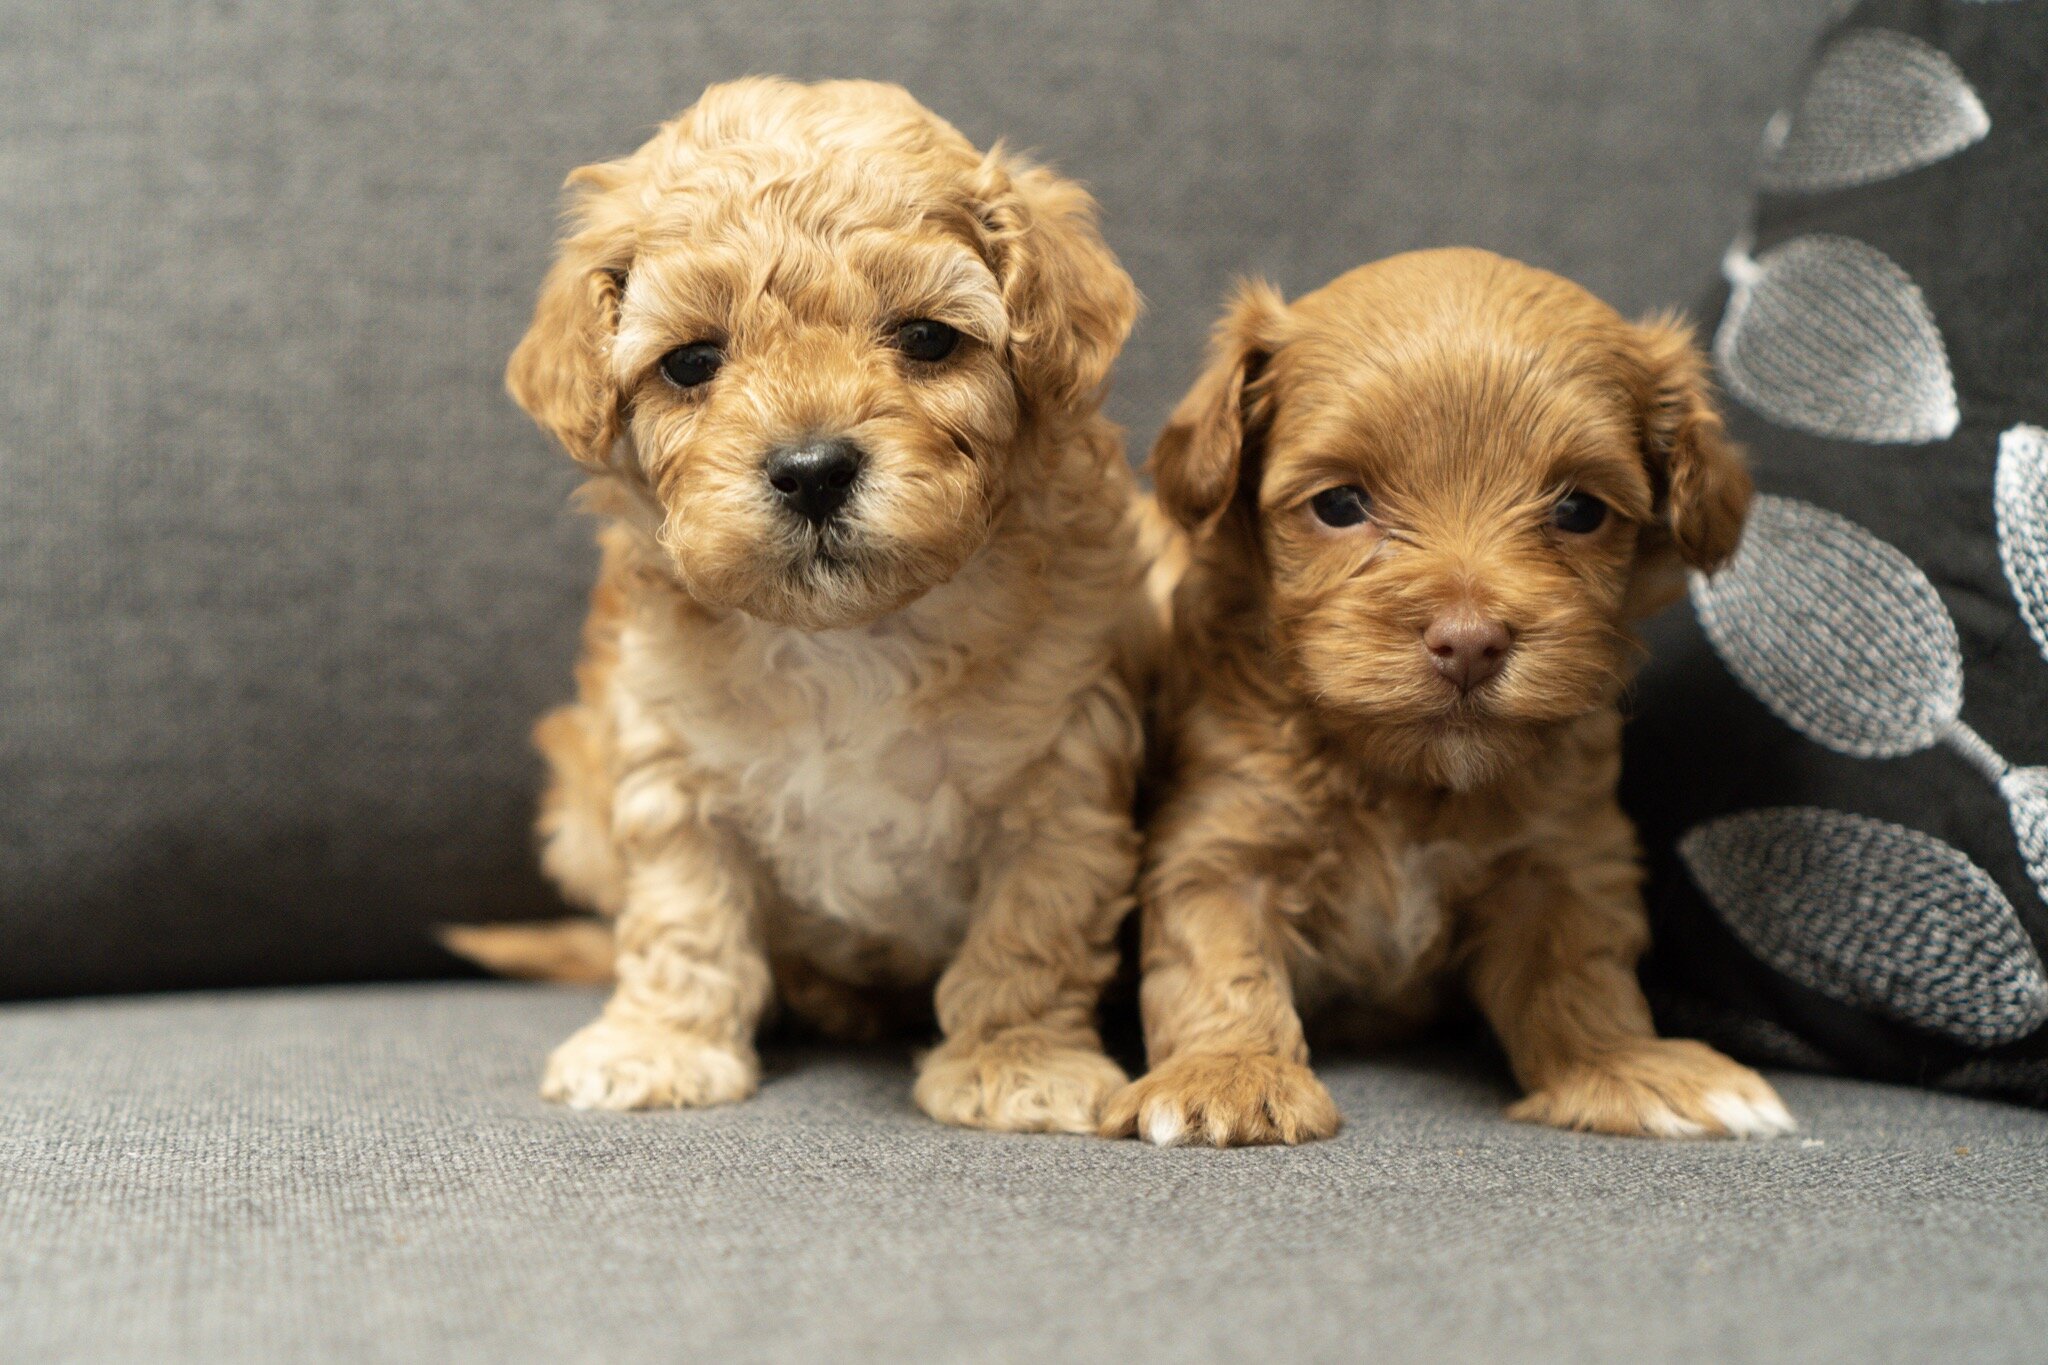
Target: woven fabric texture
[(367, 1175)]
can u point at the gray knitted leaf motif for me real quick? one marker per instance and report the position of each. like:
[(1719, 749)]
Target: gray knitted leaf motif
[(2026, 792), (1877, 104), (1827, 334), (1835, 631), (2020, 497), (1874, 915)]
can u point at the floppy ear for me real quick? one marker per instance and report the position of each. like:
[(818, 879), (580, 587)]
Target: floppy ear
[(1070, 305), (1198, 461), (558, 371), (1703, 487)]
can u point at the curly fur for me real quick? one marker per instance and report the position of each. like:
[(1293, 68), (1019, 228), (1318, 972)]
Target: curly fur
[(1347, 841), (882, 768)]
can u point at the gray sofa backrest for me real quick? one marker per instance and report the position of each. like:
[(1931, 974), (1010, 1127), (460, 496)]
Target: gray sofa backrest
[(284, 577)]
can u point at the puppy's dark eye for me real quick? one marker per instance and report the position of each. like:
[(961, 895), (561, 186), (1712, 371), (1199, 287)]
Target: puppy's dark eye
[(1578, 513), (688, 366), (1346, 505), (926, 340)]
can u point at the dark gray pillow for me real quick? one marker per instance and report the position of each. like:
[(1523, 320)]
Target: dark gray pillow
[(1838, 754)]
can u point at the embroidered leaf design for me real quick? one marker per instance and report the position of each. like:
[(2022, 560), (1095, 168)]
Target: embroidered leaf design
[(2020, 499), (1839, 634), (1874, 915), (1827, 334), (1876, 104), (2026, 792), (2020, 496)]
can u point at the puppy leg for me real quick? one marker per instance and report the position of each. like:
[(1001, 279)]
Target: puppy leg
[(579, 743), (577, 849), (678, 1030), (1017, 1004), (1551, 963), (1229, 1066)]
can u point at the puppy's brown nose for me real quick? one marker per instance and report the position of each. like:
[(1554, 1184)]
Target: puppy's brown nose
[(1466, 647), (814, 479)]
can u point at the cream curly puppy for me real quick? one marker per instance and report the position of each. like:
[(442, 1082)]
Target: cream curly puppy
[(855, 711)]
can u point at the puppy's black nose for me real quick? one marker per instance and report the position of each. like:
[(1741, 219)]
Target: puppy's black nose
[(815, 479)]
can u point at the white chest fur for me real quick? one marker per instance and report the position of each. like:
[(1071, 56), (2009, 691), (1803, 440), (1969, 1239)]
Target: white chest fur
[(865, 781), (1417, 915), (1392, 904), (863, 817)]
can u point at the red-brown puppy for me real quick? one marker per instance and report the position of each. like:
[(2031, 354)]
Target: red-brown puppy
[(1425, 502)]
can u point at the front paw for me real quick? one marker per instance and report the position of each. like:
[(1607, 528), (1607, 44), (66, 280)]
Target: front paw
[(1224, 1099), (1017, 1082), (610, 1064), (1663, 1087)]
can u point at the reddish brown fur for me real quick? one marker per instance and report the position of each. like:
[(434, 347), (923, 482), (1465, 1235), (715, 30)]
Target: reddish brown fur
[(1345, 836)]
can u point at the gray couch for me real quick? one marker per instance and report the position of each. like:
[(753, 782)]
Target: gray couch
[(283, 578)]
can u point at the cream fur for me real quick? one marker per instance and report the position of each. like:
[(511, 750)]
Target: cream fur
[(837, 767)]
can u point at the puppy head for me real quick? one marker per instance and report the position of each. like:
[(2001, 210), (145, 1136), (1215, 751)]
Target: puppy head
[(1457, 478), (817, 330)]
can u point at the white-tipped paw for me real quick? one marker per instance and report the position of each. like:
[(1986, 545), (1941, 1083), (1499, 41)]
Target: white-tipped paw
[(1223, 1099), (1750, 1115), (1018, 1082), (614, 1065), (1663, 1088)]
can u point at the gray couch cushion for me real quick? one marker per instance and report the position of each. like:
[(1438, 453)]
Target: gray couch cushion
[(366, 1174), (286, 577)]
